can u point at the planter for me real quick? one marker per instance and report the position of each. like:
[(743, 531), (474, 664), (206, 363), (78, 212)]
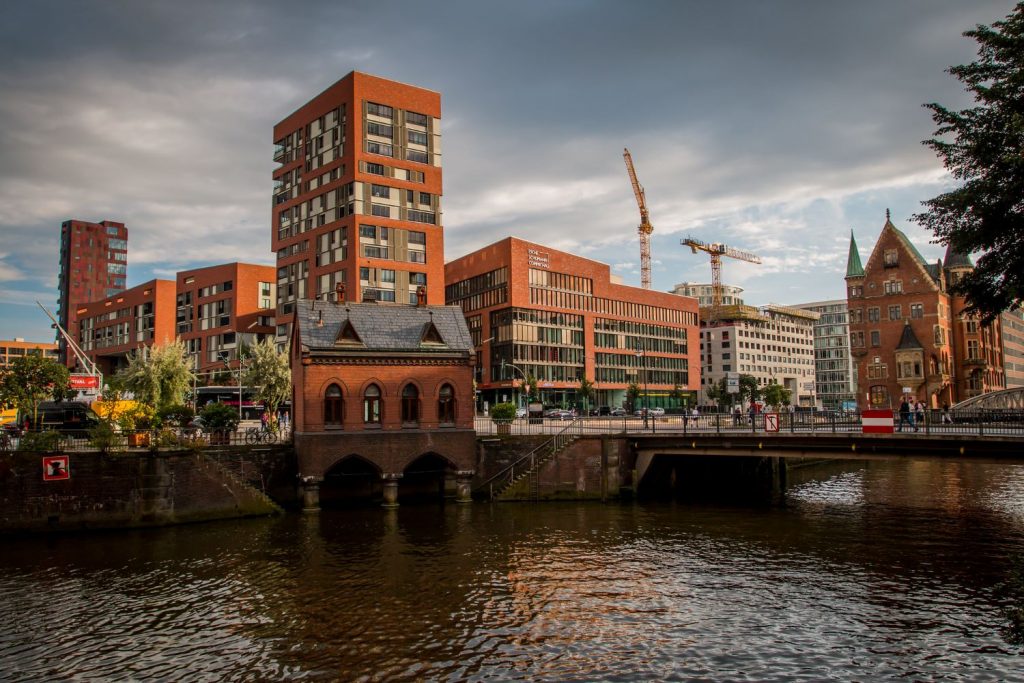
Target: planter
[(138, 439)]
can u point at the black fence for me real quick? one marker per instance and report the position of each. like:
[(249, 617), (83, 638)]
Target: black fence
[(176, 439)]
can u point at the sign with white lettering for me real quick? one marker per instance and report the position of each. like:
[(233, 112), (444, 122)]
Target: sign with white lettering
[(538, 259)]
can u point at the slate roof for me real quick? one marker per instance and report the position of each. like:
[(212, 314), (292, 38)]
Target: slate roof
[(381, 327), (956, 259), (909, 340)]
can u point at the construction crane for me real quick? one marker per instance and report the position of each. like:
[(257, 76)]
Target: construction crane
[(717, 251), (645, 228)]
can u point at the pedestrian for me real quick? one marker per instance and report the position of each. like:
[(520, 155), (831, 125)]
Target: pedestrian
[(905, 415), (752, 411), (737, 416), (264, 418), (918, 414), (696, 417)]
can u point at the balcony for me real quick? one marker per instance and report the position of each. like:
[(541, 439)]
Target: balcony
[(279, 153), (975, 363)]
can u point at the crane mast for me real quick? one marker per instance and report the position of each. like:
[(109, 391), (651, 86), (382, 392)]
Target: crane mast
[(716, 251), (645, 228)]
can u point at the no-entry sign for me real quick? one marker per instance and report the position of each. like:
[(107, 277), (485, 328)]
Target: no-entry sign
[(771, 422), (56, 468)]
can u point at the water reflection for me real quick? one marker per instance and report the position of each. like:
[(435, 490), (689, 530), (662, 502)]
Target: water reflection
[(874, 571)]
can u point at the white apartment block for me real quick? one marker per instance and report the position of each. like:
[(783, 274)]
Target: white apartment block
[(704, 294), (835, 369), (774, 344)]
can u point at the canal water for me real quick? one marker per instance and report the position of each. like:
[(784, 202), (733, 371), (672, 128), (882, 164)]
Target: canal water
[(871, 571)]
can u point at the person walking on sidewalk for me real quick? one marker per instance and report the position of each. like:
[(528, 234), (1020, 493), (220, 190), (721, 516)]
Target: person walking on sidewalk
[(905, 415)]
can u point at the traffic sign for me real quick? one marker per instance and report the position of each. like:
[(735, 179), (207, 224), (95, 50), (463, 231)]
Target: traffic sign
[(771, 422), (55, 468)]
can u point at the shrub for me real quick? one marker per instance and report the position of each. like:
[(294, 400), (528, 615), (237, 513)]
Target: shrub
[(103, 437), (503, 412), (176, 416), (40, 442), (219, 418)]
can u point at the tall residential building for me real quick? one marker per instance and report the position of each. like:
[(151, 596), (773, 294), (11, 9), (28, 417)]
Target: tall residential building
[(704, 294), (93, 266), (357, 196), (774, 344), (833, 365), (1012, 323), (536, 312), (909, 334)]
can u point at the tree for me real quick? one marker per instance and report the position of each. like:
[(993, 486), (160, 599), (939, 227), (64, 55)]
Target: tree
[(749, 391), (718, 393), (32, 379), (270, 373), (158, 377), (586, 392), (983, 148), (776, 395), (632, 394), (530, 388)]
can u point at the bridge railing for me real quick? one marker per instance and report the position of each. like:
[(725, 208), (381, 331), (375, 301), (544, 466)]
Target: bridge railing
[(995, 423)]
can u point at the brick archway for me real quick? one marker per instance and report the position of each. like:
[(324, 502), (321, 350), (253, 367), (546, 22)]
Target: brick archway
[(352, 480)]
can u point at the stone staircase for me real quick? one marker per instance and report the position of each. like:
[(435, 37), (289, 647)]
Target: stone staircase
[(521, 479), (239, 487)]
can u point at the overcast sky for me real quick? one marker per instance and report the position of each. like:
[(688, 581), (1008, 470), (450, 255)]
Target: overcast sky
[(775, 127)]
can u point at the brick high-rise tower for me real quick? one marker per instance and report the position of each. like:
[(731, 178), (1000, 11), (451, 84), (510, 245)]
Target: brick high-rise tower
[(93, 266), (357, 196)]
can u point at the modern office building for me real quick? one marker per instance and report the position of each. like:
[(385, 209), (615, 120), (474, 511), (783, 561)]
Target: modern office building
[(93, 266), (357, 196), (704, 293), (833, 365), (909, 334), (17, 347), (220, 308), (1012, 324), (774, 344), (535, 312), (213, 310)]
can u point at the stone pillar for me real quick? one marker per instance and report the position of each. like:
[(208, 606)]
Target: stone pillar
[(450, 487), (391, 490), (311, 494), (464, 486)]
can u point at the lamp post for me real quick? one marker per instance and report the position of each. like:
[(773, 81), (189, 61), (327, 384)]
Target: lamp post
[(643, 369), (224, 359), (515, 391)]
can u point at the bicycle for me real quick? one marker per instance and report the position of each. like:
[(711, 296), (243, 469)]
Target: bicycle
[(260, 435)]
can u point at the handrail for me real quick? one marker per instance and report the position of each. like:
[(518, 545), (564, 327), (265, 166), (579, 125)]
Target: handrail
[(553, 443)]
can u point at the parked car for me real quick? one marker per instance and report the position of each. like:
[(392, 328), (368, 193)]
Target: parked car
[(520, 412), (71, 418), (559, 414), (657, 412), (617, 412)]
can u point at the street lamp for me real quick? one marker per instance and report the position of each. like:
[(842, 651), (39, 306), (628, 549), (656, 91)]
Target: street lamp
[(643, 369), (224, 359), (520, 371)]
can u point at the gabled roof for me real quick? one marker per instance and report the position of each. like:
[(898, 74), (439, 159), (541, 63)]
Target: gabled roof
[(853, 264), (909, 340), (361, 328), (930, 268)]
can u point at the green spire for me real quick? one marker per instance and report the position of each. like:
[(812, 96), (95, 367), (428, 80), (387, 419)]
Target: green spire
[(853, 265)]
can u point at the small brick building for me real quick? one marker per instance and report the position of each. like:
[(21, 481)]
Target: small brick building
[(382, 401)]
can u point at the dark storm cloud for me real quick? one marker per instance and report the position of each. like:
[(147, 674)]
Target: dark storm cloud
[(764, 123)]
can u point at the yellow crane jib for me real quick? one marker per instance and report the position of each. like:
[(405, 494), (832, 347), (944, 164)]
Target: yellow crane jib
[(716, 251), (645, 229)]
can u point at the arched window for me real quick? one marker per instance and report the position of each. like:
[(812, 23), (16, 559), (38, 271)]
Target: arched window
[(332, 406), (371, 405), (446, 404), (410, 403)]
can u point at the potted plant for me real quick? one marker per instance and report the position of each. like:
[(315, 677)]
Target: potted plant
[(503, 414), (219, 421), (136, 423)]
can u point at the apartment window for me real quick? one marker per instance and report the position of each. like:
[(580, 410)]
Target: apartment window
[(446, 405), (387, 275), (417, 156), (973, 349), (971, 326), (893, 286), (376, 169), (371, 405), (416, 237), (368, 231), (417, 138), (379, 148), (415, 119), (417, 278), (417, 256), (874, 314), (876, 338), (380, 191), (333, 406), (372, 251), (227, 286), (380, 210), (891, 258), (410, 403), (895, 312), (364, 274), (916, 310), (379, 129), (425, 198), (422, 216), (381, 110)]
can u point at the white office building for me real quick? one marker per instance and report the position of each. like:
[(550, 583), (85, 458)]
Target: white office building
[(835, 370)]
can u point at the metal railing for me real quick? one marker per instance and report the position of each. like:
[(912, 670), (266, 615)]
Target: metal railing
[(994, 423), (176, 439), (528, 463)]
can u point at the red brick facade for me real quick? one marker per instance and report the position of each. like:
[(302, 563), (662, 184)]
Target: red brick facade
[(953, 357)]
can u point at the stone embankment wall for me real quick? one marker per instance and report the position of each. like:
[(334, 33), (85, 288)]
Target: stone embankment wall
[(122, 491)]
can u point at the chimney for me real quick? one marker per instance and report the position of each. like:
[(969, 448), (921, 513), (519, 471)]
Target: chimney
[(339, 292), (421, 296)]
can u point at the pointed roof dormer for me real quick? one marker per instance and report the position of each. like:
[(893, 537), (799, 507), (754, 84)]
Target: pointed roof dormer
[(909, 340), (347, 335), (853, 264), (430, 335), (956, 259)]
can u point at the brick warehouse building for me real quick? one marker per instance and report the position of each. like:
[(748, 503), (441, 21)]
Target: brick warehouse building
[(93, 266), (357, 195), (908, 334), (559, 317), (383, 401), (211, 309)]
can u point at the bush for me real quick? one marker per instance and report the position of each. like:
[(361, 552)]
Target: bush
[(503, 412), (103, 437), (176, 416), (139, 418), (40, 442), (219, 418)]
